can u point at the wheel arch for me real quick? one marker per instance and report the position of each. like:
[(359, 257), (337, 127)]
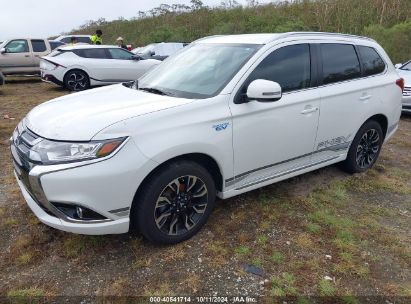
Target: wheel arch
[(382, 120), (205, 160)]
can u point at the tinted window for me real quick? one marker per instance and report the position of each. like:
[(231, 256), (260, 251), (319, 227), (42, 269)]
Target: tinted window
[(289, 66), (54, 44), (17, 46), (92, 53), (406, 67), (120, 54), (66, 40), (38, 46), (340, 62), (84, 40), (371, 61)]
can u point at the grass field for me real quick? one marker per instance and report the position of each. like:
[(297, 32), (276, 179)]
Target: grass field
[(324, 233)]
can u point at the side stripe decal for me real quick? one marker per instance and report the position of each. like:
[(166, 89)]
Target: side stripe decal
[(335, 148)]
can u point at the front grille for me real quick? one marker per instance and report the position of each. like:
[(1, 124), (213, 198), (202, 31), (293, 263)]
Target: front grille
[(407, 91), (23, 140)]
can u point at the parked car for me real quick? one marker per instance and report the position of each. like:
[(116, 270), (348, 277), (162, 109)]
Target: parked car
[(1, 78), (159, 51), (227, 115), (405, 72), (22, 56), (80, 38), (79, 67), (55, 44)]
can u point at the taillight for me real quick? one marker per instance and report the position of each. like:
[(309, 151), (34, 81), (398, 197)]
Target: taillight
[(400, 83)]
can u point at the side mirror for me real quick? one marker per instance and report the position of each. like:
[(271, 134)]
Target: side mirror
[(398, 65), (152, 53), (3, 50), (136, 57), (264, 90)]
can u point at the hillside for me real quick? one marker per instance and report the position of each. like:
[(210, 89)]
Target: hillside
[(389, 22)]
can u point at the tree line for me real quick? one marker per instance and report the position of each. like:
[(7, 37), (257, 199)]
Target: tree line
[(387, 21)]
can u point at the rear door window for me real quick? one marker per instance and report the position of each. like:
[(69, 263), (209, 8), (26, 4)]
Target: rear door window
[(92, 53), (340, 62), (372, 63), (39, 46), (120, 54)]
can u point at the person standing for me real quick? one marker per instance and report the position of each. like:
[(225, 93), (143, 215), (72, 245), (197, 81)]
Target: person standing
[(97, 38), (120, 43)]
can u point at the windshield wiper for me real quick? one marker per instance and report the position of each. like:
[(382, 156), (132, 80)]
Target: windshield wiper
[(155, 91)]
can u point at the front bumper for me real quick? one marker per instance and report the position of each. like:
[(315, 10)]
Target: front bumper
[(108, 227), (106, 186)]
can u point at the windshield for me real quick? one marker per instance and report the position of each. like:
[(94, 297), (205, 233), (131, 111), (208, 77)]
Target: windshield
[(199, 71), (406, 66)]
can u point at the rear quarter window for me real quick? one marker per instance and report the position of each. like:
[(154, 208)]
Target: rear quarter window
[(372, 63), (340, 62)]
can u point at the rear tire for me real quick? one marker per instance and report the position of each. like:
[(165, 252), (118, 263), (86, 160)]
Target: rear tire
[(365, 148), (76, 80), (175, 203)]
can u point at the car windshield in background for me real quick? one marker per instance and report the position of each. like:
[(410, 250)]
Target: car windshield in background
[(146, 49), (200, 71), (406, 67)]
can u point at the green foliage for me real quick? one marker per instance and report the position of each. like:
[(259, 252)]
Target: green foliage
[(326, 288), (395, 40), (242, 250), (283, 285), (386, 21)]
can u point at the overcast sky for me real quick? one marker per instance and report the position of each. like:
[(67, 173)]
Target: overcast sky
[(45, 18)]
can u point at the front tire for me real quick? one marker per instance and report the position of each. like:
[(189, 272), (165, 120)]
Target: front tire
[(365, 148), (174, 203), (76, 80)]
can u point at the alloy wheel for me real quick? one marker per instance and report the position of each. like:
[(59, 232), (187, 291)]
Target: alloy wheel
[(181, 205), (77, 81), (367, 149)]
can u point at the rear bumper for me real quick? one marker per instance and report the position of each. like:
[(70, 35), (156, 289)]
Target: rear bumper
[(51, 79), (406, 104)]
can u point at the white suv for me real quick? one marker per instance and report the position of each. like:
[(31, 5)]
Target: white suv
[(227, 115)]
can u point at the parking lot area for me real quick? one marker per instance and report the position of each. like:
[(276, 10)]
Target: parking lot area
[(323, 233)]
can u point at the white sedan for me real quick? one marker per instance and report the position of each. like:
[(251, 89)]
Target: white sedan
[(80, 67), (405, 72)]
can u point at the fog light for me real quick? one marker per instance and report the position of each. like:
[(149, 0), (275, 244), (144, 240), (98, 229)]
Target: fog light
[(76, 212)]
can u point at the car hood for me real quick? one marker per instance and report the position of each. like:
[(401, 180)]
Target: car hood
[(80, 116), (407, 77)]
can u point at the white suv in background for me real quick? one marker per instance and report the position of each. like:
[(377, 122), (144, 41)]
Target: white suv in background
[(227, 115)]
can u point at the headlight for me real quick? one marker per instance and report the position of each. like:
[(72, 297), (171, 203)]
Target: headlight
[(50, 152)]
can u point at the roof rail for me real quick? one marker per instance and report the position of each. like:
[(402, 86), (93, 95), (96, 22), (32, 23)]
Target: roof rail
[(320, 33)]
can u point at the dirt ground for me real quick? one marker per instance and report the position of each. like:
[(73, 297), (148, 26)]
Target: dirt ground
[(325, 233)]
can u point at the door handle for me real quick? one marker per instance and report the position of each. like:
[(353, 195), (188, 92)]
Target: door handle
[(365, 97), (309, 110), (26, 55)]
